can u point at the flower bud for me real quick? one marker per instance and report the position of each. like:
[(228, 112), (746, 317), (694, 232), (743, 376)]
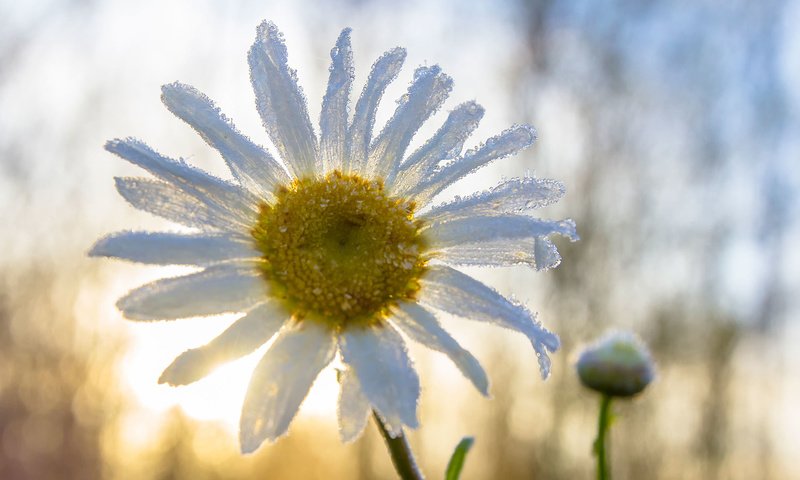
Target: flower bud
[(618, 365)]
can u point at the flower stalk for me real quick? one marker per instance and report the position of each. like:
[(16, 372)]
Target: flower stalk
[(600, 450), (400, 451), (617, 365)]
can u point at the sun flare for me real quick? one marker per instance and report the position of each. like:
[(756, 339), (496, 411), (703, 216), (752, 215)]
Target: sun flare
[(218, 398)]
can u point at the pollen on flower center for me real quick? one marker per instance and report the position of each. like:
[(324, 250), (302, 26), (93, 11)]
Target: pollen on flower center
[(339, 249)]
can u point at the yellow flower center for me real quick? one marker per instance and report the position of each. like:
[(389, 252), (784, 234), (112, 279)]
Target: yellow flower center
[(340, 250)]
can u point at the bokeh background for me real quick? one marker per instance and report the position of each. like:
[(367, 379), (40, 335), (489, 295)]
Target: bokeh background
[(675, 126)]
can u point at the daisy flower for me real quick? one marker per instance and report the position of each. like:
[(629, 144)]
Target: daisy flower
[(334, 248)]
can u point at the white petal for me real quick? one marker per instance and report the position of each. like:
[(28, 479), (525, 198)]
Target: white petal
[(223, 288), (353, 411), (513, 196), (537, 252), (426, 94), (167, 201), (244, 336), (446, 144), (333, 118), (282, 380), (280, 101), (545, 254), (163, 248), (379, 358), (383, 72), (220, 196), (476, 230), (452, 291), (249, 163), (422, 327), (507, 143)]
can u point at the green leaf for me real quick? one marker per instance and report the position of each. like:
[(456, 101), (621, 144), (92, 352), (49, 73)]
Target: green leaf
[(457, 459)]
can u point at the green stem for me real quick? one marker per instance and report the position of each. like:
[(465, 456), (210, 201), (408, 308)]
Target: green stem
[(399, 449), (603, 423)]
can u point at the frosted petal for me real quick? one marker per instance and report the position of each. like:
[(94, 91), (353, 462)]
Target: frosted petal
[(537, 252), (244, 336), (249, 163), (280, 101), (220, 196), (507, 143), (223, 288), (512, 196), (426, 94), (421, 326), (383, 72), (171, 203), (473, 230), (449, 290), (282, 380), (333, 118), (353, 410), (446, 144), (380, 360), (163, 248)]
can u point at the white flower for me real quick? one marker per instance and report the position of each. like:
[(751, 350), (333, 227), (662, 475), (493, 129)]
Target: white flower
[(327, 250), (618, 365)]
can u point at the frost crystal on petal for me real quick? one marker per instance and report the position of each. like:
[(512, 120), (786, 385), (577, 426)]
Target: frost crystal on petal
[(477, 230), (383, 72), (454, 292), (380, 361), (244, 336), (353, 407), (280, 382), (426, 94), (445, 145), (218, 289), (507, 143), (421, 326), (538, 252), (252, 166), (512, 196), (167, 201), (281, 102), (161, 248), (333, 118)]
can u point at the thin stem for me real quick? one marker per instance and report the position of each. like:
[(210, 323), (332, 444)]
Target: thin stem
[(400, 451), (603, 423)]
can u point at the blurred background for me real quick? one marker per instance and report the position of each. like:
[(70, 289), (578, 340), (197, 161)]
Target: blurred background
[(673, 124)]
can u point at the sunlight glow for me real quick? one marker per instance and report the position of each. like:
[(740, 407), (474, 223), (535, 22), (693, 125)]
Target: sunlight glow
[(217, 397)]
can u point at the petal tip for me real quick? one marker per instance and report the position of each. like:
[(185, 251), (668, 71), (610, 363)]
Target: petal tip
[(344, 37), (348, 437), (483, 388), (99, 249), (552, 342), (170, 87), (412, 423), (112, 145), (127, 307), (530, 132), (398, 52), (247, 446), (251, 439), (185, 369), (267, 26), (167, 378)]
